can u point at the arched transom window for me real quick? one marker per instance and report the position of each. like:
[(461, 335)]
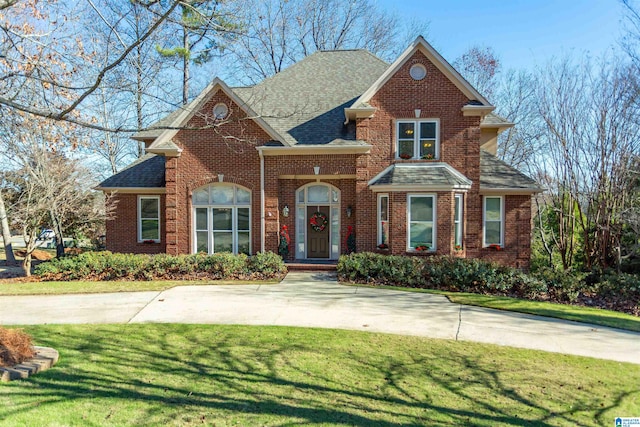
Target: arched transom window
[(222, 219)]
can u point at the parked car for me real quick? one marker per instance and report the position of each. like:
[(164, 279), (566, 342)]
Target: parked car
[(46, 234)]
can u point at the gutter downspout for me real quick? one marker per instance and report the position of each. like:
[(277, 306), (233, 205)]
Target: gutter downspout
[(262, 211)]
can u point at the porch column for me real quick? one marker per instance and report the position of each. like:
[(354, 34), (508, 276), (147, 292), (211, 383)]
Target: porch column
[(171, 210)]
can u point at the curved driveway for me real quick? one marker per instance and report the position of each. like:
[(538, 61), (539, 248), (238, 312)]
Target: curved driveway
[(317, 300)]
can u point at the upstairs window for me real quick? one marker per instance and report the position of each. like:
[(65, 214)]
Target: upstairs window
[(418, 139)]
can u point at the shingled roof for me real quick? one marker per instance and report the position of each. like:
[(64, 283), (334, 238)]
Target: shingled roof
[(429, 176), (146, 172), (498, 175)]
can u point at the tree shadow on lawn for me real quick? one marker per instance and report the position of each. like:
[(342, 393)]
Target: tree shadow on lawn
[(277, 376)]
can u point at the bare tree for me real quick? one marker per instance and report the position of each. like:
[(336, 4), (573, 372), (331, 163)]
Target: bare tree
[(279, 33), (480, 67), (6, 232)]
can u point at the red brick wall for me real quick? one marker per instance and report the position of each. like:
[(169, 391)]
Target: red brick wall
[(122, 232)]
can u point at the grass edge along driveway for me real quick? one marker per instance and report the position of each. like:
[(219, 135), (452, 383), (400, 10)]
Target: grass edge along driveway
[(187, 375)]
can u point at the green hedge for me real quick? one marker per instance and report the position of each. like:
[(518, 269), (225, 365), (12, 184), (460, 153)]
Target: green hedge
[(439, 272), (115, 266)]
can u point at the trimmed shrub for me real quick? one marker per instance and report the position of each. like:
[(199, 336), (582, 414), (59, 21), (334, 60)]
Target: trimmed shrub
[(114, 266)]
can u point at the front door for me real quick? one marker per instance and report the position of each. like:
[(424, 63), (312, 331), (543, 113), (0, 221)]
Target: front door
[(318, 231)]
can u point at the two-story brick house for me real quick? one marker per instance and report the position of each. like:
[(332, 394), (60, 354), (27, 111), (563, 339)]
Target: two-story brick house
[(402, 154)]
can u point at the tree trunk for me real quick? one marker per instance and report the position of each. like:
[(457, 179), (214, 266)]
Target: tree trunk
[(6, 233), (26, 265)]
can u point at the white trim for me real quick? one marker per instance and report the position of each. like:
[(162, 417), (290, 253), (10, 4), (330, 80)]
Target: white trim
[(416, 136), (262, 208), (379, 217), (364, 112), (477, 110), (140, 219), (390, 188), (305, 150), (436, 59), (434, 221), (484, 220)]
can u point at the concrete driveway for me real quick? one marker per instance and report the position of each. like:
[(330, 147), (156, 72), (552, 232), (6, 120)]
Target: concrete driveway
[(317, 300)]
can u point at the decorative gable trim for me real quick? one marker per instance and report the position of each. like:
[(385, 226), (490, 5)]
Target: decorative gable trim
[(421, 44), (159, 146)]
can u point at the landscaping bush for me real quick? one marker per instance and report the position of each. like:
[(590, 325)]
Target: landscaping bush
[(114, 266), (15, 347)]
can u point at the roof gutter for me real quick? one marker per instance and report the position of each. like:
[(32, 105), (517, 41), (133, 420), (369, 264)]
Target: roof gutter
[(313, 150), (262, 213)]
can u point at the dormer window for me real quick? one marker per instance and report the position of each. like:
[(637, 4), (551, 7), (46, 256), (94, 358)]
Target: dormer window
[(418, 139)]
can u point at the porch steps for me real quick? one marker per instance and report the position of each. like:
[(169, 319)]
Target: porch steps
[(305, 265)]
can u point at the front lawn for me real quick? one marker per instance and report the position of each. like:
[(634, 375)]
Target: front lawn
[(21, 287), (187, 375)]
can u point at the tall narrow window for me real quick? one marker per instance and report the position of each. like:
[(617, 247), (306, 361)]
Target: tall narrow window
[(417, 139), (493, 221), (421, 215), (149, 218), (383, 220), (457, 222)]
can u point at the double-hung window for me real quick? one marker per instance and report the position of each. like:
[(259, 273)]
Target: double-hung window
[(148, 218), (493, 212), (417, 139), (457, 221), (421, 219)]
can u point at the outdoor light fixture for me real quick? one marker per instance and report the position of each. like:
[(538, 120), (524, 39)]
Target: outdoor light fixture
[(316, 170), (220, 177), (349, 211), (417, 111), (285, 211)]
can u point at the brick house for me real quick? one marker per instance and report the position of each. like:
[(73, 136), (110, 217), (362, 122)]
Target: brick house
[(403, 155)]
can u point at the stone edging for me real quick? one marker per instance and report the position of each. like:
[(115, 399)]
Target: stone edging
[(45, 358)]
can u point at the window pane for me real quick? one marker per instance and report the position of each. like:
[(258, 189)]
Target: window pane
[(428, 148), (222, 195), (405, 148), (334, 195), (201, 197), (243, 243), (222, 242), (406, 130), (243, 196), (222, 219), (457, 209), (301, 196), (150, 229), (492, 233), (318, 193), (421, 209), (428, 130), (384, 208), (149, 208), (201, 218), (202, 244), (457, 235), (243, 219), (492, 206), (421, 234), (384, 238)]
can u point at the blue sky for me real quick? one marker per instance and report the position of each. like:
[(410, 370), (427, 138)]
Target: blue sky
[(523, 33)]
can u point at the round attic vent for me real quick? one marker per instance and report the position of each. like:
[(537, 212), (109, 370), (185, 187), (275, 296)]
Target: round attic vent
[(418, 72), (220, 111)]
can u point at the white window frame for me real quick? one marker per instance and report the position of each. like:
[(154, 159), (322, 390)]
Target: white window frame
[(210, 206), (434, 221), (380, 197), (140, 219), (484, 221), (416, 137), (458, 233)]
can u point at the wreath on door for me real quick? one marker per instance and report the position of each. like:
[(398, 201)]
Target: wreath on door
[(318, 221)]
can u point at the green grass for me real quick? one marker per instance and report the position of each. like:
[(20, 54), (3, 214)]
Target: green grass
[(11, 287), (595, 316), (188, 375)]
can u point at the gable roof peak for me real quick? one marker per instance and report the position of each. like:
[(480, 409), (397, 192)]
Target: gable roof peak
[(420, 44)]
